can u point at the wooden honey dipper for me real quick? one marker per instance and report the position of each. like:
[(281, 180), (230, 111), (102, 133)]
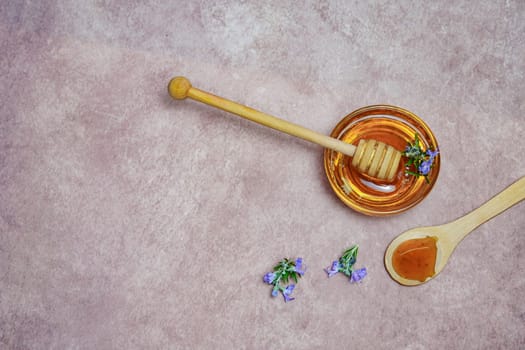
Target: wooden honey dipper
[(371, 157)]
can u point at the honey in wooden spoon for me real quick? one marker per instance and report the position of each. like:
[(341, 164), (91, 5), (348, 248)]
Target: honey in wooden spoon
[(418, 255), (415, 259)]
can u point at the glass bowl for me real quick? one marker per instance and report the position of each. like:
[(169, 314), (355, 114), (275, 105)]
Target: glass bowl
[(394, 126)]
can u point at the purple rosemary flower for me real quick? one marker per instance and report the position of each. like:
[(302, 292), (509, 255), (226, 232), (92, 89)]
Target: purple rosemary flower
[(287, 292), (299, 266), (269, 278), (358, 275), (432, 154), (275, 291), (425, 166), (333, 269)]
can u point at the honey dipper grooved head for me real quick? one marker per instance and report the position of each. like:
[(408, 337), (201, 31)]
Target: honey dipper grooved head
[(179, 87), (376, 159)]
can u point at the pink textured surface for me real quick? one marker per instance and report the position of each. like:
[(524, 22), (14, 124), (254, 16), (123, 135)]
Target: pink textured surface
[(132, 221)]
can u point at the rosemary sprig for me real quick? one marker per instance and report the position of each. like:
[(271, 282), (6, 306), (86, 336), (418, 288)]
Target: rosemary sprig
[(419, 162), (282, 273), (345, 265)]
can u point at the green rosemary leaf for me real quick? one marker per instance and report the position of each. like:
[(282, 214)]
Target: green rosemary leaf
[(416, 140)]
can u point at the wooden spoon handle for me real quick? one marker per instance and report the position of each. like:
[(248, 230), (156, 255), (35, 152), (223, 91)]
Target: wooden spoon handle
[(180, 88), (510, 196)]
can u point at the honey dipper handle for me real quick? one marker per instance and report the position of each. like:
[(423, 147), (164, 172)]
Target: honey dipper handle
[(510, 196), (180, 88)]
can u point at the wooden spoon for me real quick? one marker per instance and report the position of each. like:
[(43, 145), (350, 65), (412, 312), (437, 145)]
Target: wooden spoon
[(371, 157), (406, 256)]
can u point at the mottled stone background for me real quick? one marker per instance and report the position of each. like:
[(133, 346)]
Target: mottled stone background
[(132, 221)]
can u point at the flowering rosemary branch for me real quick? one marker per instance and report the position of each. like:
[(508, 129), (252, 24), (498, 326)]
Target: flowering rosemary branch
[(418, 160), (283, 271), (345, 265)]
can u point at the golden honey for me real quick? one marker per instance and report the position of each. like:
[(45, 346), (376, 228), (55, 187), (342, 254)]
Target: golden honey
[(393, 126), (415, 259)]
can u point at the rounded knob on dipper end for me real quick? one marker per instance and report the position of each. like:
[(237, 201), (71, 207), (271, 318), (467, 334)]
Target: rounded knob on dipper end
[(178, 88)]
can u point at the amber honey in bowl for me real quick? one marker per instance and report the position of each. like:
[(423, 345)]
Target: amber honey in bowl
[(396, 127)]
